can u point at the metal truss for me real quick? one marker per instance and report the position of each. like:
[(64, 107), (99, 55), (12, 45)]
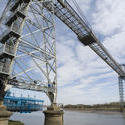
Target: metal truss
[(34, 86), (81, 28), (121, 89), (11, 24), (28, 48), (121, 92)]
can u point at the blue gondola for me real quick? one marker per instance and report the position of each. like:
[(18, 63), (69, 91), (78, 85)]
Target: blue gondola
[(22, 104)]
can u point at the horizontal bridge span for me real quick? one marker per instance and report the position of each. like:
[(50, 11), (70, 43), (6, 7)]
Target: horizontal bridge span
[(71, 18)]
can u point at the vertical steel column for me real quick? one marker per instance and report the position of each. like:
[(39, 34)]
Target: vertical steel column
[(49, 44), (44, 20), (121, 89), (121, 93), (2, 78), (12, 22)]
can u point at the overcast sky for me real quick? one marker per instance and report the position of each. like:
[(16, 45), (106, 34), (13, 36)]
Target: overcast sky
[(82, 76)]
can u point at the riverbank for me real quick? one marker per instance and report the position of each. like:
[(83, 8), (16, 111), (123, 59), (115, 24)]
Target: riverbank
[(94, 111), (108, 107), (15, 123)]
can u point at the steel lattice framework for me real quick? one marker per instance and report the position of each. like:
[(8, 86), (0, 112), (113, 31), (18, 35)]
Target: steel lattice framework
[(28, 46), (37, 43)]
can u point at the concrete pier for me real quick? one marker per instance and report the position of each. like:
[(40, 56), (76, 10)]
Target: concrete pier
[(4, 114), (53, 115)]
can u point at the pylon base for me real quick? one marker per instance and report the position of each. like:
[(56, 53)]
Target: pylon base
[(4, 115), (53, 115)]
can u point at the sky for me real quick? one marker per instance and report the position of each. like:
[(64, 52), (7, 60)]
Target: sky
[(84, 78)]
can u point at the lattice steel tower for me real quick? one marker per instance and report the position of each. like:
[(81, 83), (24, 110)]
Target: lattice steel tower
[(121, 81), (27, 47)]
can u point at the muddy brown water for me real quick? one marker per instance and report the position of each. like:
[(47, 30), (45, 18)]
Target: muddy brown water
[(74, 118)]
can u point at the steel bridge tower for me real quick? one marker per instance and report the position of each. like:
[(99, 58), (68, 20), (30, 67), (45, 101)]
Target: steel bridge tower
[(27, 46), (121, 81)]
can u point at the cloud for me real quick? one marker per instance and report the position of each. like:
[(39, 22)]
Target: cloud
[(81, 73), (116, 44), (109, 16)]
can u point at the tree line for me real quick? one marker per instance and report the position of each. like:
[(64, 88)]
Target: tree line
[(113, 106)]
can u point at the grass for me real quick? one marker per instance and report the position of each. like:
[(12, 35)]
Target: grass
[(15, 123)]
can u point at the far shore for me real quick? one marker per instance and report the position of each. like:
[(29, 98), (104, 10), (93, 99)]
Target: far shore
[(112, 107), (96, 111)]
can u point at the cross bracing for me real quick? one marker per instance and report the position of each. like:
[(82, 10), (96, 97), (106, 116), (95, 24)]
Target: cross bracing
[(30, 28)]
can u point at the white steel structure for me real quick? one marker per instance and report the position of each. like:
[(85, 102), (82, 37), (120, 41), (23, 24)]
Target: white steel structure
[(28, 48)]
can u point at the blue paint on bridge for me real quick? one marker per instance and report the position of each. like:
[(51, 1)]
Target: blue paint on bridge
[(22, 104)]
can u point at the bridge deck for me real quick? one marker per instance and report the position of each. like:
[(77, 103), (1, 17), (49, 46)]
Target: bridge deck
[(78, 25)]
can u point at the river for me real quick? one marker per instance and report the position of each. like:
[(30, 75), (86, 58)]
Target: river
[(73, 118)]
